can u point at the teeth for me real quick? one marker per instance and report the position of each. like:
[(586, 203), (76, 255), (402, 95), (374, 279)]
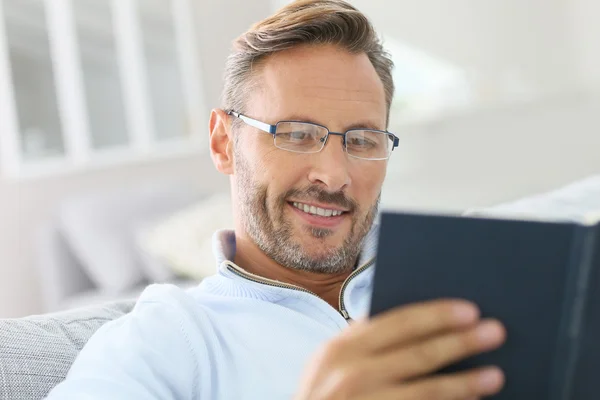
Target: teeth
[(323, 212)]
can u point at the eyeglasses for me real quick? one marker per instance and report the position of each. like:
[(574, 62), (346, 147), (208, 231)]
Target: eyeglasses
[(306, 137)]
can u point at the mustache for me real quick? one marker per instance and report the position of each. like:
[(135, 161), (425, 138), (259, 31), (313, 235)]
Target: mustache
[(316, 193)]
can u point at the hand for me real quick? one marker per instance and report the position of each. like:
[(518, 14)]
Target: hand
[(394, 356)]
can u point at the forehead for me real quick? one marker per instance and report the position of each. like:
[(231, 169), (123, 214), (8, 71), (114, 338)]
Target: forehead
[(322, 83)]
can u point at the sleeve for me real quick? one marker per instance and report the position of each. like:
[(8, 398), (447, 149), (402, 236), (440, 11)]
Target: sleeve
[(146, 354)]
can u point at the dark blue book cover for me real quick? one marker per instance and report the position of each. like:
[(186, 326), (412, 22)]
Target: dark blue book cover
[(541, 279)]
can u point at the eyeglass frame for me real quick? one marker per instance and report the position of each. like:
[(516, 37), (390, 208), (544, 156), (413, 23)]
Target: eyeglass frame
[(272, 130)]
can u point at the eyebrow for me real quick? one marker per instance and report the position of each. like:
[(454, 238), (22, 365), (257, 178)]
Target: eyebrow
[(359, 125)]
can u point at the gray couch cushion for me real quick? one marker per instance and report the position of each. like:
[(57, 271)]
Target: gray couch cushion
[(37, 352)]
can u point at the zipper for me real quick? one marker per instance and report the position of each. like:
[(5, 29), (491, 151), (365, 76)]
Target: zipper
[(235, 269), (259, 279), (345, 284)]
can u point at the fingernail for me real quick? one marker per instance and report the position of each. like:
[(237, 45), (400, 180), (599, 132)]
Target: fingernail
[(491, 379), (489, 332), (466, 313)]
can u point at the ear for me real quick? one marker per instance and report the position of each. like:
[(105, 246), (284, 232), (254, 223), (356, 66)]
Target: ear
[(221, 141)]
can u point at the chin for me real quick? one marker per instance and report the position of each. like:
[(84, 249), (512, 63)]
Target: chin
[(322, 236)]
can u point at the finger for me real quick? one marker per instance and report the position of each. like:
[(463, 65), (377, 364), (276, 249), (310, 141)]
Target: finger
[(476, 383), (471, 384), (438, 352), (409, 323), (425, 357)]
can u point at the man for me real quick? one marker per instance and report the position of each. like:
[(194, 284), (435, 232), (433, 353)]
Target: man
[(285, 317)]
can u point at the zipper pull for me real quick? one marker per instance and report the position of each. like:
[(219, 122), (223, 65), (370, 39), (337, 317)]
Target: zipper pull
[(345, 314)]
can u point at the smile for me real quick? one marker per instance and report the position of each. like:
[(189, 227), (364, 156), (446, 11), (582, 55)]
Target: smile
[(323, 212)]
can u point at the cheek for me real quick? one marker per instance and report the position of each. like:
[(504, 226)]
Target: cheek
[(367, 182), (262, 156), (281, 171)]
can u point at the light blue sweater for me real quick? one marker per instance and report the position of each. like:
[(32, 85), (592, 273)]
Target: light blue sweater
[(235, 336)]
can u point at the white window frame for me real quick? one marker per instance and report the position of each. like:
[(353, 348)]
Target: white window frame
[(187, 45), (68, 75), (134, 79), (68, 78)]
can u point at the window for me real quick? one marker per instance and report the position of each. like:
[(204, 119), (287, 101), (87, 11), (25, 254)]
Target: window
[(96, 82)]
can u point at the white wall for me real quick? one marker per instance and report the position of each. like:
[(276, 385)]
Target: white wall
[(494, 39), (584, 16), (496, 155)]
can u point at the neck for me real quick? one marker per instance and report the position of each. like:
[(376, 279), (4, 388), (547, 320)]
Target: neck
[(252, 259)]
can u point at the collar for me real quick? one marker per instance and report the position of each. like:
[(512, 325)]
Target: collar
[(224, 246)]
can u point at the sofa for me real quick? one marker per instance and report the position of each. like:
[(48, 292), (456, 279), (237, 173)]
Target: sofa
[(36, 352)]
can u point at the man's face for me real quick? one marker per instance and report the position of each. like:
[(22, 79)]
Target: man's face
[(274, 187)]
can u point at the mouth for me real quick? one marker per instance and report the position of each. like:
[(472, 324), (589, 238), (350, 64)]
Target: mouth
[(321, 216)]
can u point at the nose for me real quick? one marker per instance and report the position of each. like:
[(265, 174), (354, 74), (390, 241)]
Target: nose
[(329, 167)]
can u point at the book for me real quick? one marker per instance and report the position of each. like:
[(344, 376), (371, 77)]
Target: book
[(540, 278)]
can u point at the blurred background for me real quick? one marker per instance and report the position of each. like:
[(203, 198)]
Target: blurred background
[(106, 183)]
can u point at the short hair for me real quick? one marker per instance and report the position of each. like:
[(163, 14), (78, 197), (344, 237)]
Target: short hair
[(303, 22)]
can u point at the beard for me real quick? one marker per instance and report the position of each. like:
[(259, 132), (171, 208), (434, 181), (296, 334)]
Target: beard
[(264, 221)]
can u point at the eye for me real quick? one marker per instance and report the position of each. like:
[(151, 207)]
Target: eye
[(299, 136), (361, 142)]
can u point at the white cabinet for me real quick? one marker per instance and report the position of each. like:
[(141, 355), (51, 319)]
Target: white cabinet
[(96, 82)]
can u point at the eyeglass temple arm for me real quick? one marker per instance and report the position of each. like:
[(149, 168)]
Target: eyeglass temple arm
[(252, 122)]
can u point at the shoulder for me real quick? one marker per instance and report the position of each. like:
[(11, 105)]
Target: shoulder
[(125, 356), (167, 296), (178, 303), (162, 312)]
